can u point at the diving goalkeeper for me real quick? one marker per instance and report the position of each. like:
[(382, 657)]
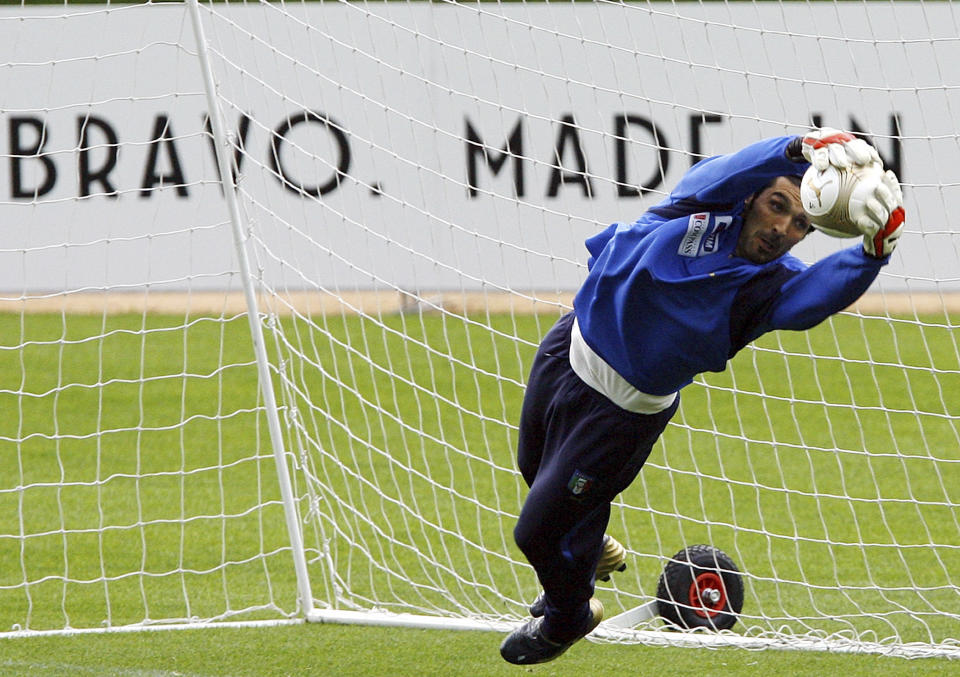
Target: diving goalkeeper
[(676, 293)]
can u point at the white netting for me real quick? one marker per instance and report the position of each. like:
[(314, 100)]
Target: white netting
[(138, 484)]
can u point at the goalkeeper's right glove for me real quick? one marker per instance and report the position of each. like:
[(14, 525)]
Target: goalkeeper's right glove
[(887, 215), (827, 146)]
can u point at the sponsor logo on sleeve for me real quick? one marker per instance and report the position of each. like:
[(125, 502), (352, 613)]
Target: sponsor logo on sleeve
[(711, 241), (696, 228), (703, 234)]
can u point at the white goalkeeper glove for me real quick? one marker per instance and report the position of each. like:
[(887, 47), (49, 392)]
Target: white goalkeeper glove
[(883, 217), (827, 146)]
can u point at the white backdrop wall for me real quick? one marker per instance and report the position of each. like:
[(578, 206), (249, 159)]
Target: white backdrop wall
[(361, 122)]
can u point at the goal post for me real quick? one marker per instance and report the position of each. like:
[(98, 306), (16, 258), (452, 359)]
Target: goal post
[(273, 274), (222, 148)]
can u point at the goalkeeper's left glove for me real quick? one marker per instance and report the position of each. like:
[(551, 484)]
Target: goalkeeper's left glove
[(883, 217), (827, 146)]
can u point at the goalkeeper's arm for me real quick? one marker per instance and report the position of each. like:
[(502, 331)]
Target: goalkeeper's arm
[(724, 180), (730, 178), (827, 287)]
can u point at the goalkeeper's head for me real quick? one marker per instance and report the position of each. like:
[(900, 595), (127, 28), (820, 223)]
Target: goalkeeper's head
[(773, 221)]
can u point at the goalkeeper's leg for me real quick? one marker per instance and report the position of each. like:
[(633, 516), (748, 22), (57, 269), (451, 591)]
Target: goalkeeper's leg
[(612, 558), (577, 451), (561, 527)]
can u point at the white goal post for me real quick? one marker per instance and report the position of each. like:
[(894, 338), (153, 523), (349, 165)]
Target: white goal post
[(272, 275)]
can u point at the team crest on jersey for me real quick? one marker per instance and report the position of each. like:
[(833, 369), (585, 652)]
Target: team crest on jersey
[(703, 234)]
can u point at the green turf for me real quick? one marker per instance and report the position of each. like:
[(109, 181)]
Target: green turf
[(376, 652), (139, 483)]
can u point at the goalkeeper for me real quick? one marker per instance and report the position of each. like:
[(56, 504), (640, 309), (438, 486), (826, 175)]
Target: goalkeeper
[(674, 294)]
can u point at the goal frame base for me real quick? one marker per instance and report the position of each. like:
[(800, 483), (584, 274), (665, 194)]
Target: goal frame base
[(619, 629)]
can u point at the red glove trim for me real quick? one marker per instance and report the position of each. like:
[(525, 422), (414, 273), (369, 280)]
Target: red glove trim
[(839, 137), (896, 219)]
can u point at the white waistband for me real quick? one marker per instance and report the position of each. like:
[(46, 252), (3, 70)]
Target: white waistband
[(600, 376)]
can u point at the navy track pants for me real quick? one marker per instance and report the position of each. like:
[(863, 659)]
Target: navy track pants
[(577, 451)]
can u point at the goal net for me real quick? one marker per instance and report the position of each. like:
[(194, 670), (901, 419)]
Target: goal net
[(273, 274)]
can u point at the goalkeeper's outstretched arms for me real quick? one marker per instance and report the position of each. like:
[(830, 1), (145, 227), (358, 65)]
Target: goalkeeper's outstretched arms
[(719, 182), (838, 280)]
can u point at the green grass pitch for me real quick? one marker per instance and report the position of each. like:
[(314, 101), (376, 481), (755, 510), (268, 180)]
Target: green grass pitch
[(138, 483)]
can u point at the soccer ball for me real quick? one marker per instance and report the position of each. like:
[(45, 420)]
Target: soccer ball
[(834, 198)]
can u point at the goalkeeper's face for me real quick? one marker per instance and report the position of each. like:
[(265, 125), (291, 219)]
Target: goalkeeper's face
[(773, 221)]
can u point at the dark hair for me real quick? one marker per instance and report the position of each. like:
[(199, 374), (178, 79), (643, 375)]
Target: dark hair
[(792, 178)]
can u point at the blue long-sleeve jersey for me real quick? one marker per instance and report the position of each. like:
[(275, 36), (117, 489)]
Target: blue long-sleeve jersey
[(666, 298)]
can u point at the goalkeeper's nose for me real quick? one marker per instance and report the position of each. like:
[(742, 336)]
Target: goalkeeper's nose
[(781, 223), (777, 226)]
